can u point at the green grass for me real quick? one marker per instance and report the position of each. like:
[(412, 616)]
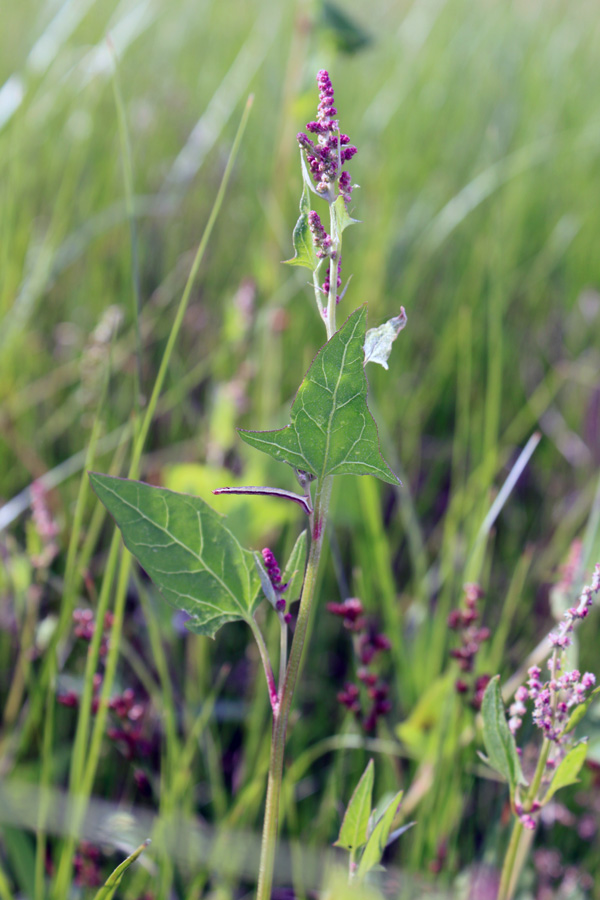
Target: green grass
[(478, 127)]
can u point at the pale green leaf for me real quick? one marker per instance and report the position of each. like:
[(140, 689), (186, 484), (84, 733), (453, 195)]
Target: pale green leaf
[(332, 431), (108, 889), (355, 824), (293, 574), (568, 769), (579, 712), (304, 248), (378, 838), (265, 582), (378, 341), (185, 548), (498, 739)]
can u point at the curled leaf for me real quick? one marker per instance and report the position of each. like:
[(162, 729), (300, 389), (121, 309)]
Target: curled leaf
[(378, 341)]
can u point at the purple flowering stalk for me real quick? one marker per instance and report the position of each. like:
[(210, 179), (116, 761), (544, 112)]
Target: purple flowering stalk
[(559, 702), (323, 157)]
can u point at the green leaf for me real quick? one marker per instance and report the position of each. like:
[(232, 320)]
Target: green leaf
[(568, 769), (293, 574), (265, 582), (355, 824), (108, 889), (340, 216), (498, 739), (304, 248), (579, 712), (378, 341), (378, 838), (332, 431), (185, 548)]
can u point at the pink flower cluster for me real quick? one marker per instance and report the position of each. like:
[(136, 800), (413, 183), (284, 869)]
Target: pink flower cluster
[(554, 698), (368, 644), (332, 149), (274, 573)]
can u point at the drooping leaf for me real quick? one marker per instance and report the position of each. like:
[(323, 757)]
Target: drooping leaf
[(293, 574), (498, 739), (332, 431), (579, 712), (304, 248), (567, 770), (353, 833), (378, 341), (378, 838), (185, 548)]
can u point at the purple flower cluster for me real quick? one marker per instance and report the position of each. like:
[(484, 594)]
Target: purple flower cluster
[(327, 155), (465, 622), (274, 573), (368, 643), (554, 698)]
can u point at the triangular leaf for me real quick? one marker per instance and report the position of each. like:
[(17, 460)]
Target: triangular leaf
[(185, 548), (498, 739), (353, 833), (378, 341), (568, 769), (379, 837), (304, 248), (340, 216), (332, 431)]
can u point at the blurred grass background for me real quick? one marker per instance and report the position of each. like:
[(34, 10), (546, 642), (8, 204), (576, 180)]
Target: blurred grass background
[(478, 128)]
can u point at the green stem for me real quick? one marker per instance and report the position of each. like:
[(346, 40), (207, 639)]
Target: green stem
[(514, 859), (318, 521), (507, 879)]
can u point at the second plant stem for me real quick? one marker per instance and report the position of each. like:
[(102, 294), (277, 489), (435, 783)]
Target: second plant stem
[(318, 521)]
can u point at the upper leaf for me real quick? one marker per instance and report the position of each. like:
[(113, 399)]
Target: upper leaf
[(579, 712), (332, 431), (378, 341), (379, 837), (185, 548), (568, 769), (304, 248), (497, 737), (355, 824)]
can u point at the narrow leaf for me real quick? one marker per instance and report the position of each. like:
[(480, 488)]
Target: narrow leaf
[(265, 582), (353, 833), (293, 574), (378, 839), (579, 712), (568, 770), (332, 431), (498, 739), (300, 499), (185, 548), (378, 341), (304, 248), (114, 879)]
